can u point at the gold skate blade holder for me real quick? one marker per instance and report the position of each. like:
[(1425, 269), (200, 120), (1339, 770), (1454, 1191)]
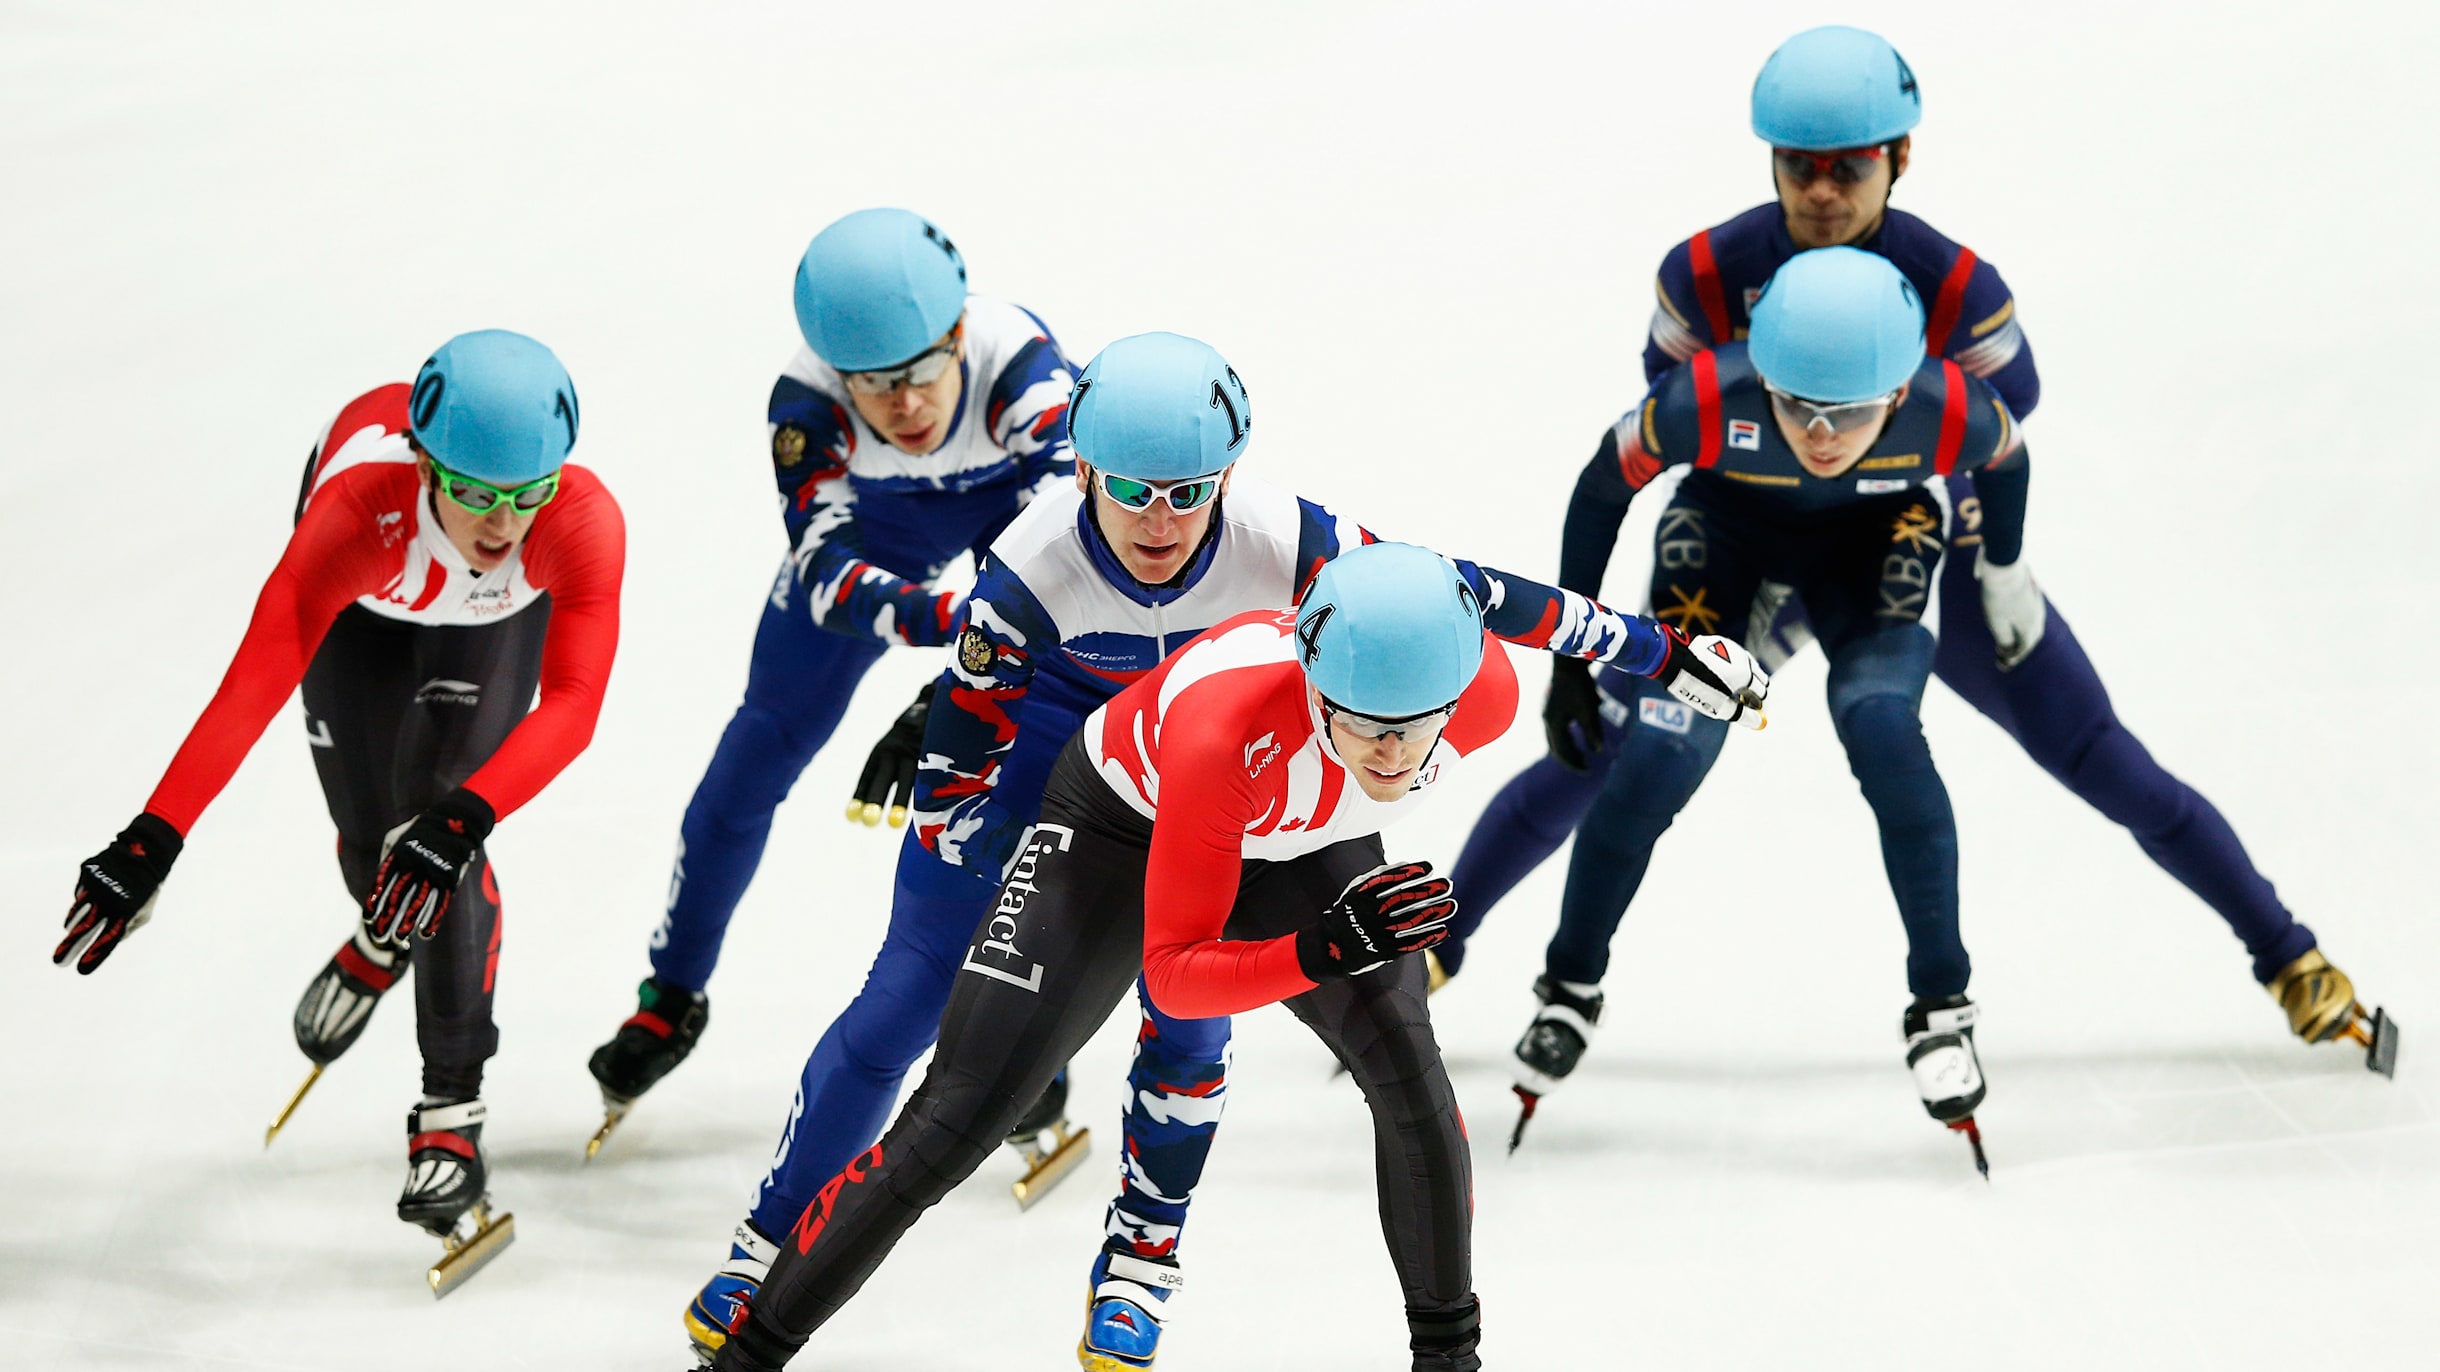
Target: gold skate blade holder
[(1047, 1167), (611, 1115), (2380, 1040), (291, 1107), (488, 1239)]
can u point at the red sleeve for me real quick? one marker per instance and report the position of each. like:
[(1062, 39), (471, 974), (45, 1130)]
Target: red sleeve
[(334, 556), (1198, 851), (577, 552)]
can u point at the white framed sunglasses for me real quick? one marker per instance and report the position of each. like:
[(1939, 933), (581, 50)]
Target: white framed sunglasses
[(1137, 496)]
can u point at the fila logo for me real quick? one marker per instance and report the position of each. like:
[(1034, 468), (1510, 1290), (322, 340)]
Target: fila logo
[(1746, 434), (1670, 715), (1253, 767), (1000, 931), (440, 690), (1880, 485)]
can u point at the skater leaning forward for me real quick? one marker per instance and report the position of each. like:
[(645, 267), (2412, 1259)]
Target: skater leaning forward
[(446, 563), (1202, 831)]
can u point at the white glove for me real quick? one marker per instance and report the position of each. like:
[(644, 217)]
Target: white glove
[(2012, 606), (1716, 676)]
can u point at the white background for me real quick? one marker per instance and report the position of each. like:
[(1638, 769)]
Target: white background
[(1425, 236)]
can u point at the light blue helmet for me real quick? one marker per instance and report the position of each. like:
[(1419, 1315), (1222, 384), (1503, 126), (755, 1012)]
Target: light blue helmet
[(1159, 407), (496, 406), (1835, 87), (1837, 324), (877, 288), (1390, 630)]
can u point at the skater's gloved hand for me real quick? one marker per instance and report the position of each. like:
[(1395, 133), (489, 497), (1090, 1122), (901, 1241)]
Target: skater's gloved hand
[(891, 766), (116, 890), (2013, 607), (1572, 711), (1385, 913), (421, 865), (1716, 676)]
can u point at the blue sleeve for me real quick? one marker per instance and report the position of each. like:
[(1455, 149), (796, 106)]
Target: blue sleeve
[(811, 440), (1320, 535), (1679, 328), (1533, 615), (1658, 433), (1027, 409), (974, 722), (1989, 342), (810, 444), (2001, 470)]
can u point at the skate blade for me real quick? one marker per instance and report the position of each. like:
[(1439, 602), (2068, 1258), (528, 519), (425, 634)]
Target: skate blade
[(465, 1257), (291, 1107), (2380, 1042), (610, 1121), (1045, 1170), (1524, 1117), (1973, 1133)]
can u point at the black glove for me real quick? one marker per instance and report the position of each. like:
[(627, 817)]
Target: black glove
[(891, 765), (115, 890), (1385, 913), (426, 858), (1573, 700)]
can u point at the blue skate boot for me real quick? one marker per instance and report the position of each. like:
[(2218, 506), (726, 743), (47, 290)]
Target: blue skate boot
[(1122, 1316), (721, 1306)]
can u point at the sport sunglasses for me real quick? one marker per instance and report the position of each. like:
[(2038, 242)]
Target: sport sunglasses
[(1845, 416), (929, 366), (1405, 726), (1844, 167), (477, 496), (1137, 496)]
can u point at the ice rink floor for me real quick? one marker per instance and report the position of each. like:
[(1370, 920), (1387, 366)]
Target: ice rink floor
[(1425, 236)]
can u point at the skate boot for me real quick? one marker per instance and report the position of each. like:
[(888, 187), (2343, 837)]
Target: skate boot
[(445, 1191), (336, 1006), (1046, 1166), (2321, 1006), (1124, 1309), (339, 1001), (1940, 1052), (1446, 1340), (723, 1302), (1553, 1044), (668, 1019)]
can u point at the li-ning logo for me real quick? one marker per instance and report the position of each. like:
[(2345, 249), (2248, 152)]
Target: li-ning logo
[(440, 690), (1000, 931), (1254, 766)]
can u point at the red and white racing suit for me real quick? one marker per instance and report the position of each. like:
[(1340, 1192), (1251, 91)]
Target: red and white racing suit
[(418, 675)]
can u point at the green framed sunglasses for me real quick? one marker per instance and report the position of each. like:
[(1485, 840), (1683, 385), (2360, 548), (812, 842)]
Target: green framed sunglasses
[(477, 496)]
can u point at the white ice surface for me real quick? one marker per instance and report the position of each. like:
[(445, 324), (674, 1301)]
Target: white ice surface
[(1425, 236)]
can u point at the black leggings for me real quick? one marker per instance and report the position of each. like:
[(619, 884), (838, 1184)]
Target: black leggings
[(1043, 971), (398, 715)]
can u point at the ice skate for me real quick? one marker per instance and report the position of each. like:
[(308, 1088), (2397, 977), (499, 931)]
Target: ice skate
[(1940, 1052), (2321, 1006), (445, 1191), (336, 1006), (655, 1039), (1047, 1165), (1124, 1309), (721, 1306), (1553, 1044)]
